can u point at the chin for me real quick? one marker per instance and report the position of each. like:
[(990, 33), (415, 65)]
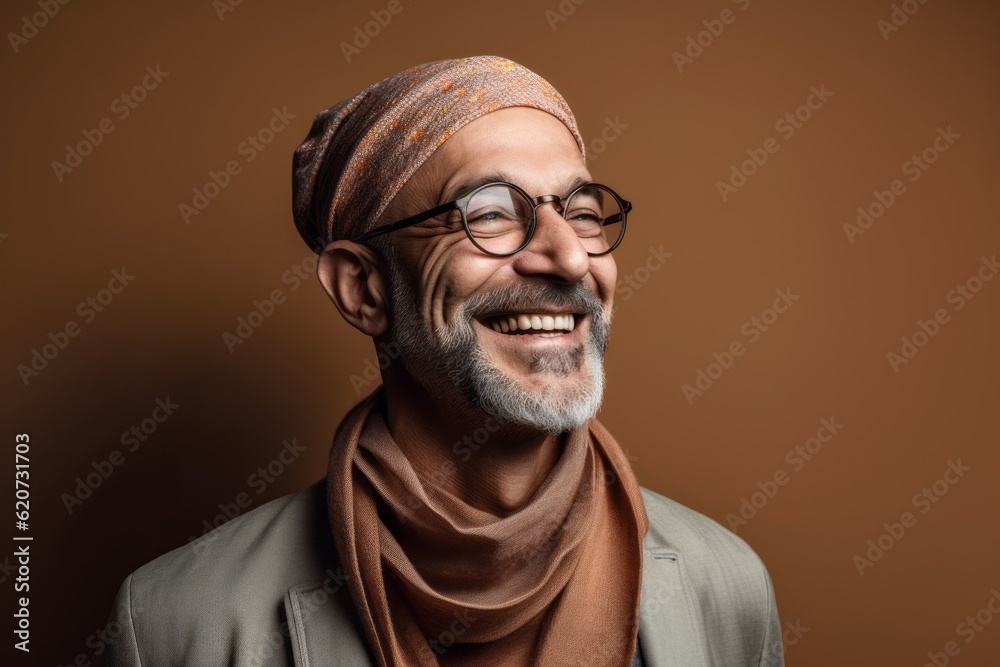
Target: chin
[(549, 401)]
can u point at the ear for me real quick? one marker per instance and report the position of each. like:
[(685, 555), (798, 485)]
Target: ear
[(355, 279)]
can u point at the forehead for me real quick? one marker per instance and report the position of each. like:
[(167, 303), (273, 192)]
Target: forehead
[(525, 146)]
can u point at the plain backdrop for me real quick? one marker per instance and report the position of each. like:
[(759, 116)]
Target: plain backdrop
[(672, 98)]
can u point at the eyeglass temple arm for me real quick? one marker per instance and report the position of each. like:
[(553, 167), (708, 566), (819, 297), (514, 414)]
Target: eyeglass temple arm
[(618, 217), (385, 229)]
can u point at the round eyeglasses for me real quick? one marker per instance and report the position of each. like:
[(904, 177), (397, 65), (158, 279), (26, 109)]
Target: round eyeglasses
[(500, 218)]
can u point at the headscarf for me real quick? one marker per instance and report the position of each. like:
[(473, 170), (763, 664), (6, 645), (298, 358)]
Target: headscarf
[(360, 152)]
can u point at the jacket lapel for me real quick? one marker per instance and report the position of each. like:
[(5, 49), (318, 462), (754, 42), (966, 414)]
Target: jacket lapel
[(668, 632), (321, 630)]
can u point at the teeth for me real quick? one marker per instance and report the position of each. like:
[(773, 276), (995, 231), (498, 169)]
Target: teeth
[(554, 325)]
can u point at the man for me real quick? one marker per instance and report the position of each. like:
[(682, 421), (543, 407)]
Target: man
[(474, 511)]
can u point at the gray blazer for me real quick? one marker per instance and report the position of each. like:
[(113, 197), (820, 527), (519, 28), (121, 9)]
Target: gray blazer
[(266, 589)]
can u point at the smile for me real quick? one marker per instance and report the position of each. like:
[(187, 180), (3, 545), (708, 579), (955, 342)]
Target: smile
[(544, 325)]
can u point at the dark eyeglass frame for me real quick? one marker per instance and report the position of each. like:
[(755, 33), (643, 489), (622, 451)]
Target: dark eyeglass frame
[(461, 202)]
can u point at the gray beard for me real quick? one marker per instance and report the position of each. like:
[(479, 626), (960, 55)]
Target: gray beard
[(443, 360)]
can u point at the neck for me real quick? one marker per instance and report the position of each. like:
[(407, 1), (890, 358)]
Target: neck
[(490, 465)]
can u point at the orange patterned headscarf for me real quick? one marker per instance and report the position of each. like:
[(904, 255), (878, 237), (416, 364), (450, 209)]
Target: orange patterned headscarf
[(360, 152)]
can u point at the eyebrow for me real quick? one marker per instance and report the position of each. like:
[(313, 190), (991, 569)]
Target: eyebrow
[(468, 186)]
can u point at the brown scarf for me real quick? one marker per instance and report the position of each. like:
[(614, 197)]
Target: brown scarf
[(439, 582)]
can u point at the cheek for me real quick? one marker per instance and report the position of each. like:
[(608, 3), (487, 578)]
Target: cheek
[(452, 277)]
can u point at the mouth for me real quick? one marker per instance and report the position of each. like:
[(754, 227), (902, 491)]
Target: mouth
[(538, 325)]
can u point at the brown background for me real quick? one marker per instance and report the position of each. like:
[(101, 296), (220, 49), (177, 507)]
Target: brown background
[(825, 357)]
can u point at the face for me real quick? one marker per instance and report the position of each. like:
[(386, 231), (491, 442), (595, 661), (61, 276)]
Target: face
[(521, 337)]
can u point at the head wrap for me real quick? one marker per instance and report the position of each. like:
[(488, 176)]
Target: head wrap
[(360, 152)]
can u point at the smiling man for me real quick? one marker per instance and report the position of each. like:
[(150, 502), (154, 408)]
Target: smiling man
[(475, 512)]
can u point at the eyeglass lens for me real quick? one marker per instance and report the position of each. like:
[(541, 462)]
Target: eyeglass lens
[(499, 218)]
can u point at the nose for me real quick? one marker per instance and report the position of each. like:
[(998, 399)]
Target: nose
[(555, 250)]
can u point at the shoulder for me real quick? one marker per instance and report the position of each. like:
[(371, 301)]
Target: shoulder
[(673, 524), (695, 564), (712, 555), (229, 585), (285, 531)]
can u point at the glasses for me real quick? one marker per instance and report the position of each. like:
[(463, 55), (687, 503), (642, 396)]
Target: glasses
[(499, 218)]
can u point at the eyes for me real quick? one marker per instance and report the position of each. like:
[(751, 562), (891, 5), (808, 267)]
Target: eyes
[(500, 218), (504, 211)]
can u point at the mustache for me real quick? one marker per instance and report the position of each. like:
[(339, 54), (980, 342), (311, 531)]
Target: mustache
[(528, 297)]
